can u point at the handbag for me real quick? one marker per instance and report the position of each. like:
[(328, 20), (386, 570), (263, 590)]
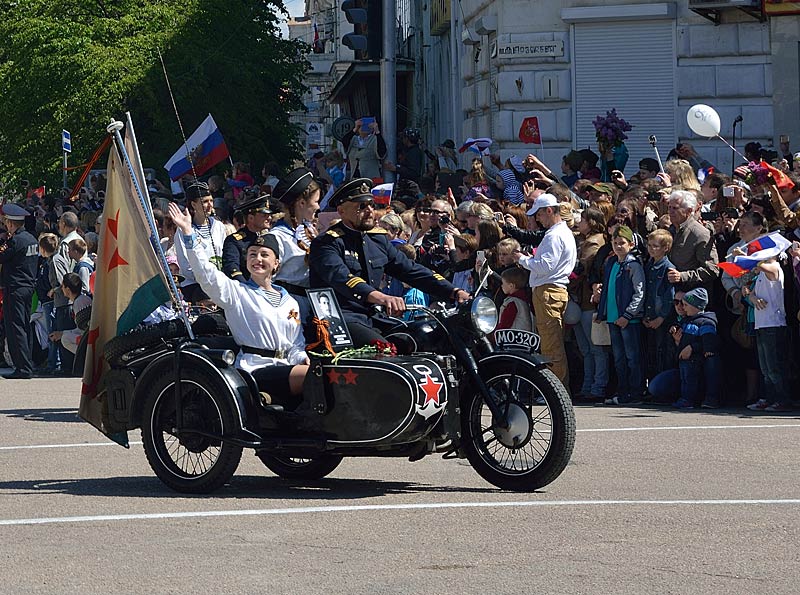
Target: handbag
[(739, 332), (601, 334)]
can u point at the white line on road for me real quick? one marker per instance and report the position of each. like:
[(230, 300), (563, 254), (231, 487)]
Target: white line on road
[(595, 430), (383, 507), (77, 445), (662, 428)]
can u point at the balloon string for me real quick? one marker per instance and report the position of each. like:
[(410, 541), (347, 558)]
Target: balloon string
[(733, 148)]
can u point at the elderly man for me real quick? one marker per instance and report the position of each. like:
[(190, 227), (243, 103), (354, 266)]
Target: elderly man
[(693, 251), (550, 268)]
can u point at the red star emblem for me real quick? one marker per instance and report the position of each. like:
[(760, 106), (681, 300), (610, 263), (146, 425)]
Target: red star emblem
[(349, 377), (431, 388), (333, 377), (113, 224), (90, 389), (116, 261)]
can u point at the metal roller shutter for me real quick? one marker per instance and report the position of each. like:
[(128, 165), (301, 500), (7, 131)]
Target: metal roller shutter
[(629, 66)]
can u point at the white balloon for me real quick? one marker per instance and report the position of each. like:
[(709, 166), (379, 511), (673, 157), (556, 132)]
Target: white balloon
[(703, 120)]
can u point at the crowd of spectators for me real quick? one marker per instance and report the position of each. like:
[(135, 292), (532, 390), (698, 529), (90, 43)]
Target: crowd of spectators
[(619, 277)]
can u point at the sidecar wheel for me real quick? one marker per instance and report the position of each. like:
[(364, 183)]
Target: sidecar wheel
[(190, 463), (296, 468), (537, 446)]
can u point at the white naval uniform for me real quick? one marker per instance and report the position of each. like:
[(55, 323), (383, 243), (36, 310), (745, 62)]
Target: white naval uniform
[(294, 269), (253, 321), (214, 248)]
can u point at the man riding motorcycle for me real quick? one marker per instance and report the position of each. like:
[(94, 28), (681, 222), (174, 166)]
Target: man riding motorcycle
[(352, 256)]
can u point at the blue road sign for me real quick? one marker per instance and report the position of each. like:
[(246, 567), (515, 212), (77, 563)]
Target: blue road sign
[(66, 141)]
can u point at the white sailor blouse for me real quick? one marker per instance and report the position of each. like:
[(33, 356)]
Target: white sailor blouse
[(253, 320)]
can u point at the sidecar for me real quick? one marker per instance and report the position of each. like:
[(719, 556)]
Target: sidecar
[(197, 412)]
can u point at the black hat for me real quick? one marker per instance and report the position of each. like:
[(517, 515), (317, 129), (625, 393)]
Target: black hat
[(267, 241), (649, 164), (196, 189), (292, 186), (260, 204), (359, 189)]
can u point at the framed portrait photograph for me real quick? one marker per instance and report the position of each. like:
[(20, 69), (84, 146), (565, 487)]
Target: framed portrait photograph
[(326, 307)]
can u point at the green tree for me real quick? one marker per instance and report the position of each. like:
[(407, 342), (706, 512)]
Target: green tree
[(75, 64)]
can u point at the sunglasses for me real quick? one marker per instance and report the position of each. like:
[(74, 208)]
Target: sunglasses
[(366, 205), (677, 302)]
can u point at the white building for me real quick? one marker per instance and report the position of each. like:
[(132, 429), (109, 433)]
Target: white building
[(567, 62)]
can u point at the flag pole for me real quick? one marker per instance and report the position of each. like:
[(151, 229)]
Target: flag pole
[(147, 205), (114, 130)]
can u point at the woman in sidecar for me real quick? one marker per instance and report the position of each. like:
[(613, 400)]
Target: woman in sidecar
[(263, 319)]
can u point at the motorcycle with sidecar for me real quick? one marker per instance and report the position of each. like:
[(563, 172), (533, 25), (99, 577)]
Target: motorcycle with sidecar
[(449, 391)]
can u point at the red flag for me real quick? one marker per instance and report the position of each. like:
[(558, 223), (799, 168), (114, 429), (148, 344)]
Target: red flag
[(782, 181), (529, 131)]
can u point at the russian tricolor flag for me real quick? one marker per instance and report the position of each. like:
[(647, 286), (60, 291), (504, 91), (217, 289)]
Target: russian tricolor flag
[(768, 246), (382, 194), (205, 147)]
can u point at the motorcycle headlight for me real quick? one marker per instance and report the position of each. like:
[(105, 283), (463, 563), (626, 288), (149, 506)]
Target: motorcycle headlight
[(483, 314)]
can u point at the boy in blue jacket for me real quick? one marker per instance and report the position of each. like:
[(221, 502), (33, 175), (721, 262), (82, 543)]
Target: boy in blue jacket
[(697, 341), (659, 294), (622, 305)]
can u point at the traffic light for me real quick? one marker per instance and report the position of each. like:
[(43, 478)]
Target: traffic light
[(366, 18)]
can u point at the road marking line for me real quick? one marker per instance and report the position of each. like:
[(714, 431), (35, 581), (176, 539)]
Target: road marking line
[(594, 430), (382, 507), (77, 445), (662, 428)]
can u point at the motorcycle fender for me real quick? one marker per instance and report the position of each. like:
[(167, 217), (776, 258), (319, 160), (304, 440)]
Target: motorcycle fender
[(238, 391), (536, 360)]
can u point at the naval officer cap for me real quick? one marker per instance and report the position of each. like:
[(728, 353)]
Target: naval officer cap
[(14, 212), (263, 204), (292, 186), (358, 190), (267, 240)]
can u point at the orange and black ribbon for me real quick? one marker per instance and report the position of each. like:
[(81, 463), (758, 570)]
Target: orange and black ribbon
[(323, 336)]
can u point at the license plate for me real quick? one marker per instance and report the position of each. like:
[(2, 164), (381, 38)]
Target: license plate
[(518, 339)]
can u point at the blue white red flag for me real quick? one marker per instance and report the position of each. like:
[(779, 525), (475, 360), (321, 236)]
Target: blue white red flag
[(382, 193), (204, 149), (760, 249), (478, 145)]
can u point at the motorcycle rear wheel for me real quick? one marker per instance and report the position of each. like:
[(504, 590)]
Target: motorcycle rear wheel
[(190, 463), (537, 447), (299, 468)]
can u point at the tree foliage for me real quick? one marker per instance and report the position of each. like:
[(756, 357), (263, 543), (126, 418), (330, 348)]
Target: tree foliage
[(76, 64)]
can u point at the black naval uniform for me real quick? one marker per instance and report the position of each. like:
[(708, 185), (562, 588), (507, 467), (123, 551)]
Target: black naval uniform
[(234, 254), (353, 263), (19, 258)]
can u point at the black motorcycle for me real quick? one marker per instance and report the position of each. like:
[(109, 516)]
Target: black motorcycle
[(450, 391)]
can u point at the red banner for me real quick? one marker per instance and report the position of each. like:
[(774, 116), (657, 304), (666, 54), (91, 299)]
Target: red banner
[(529, 131)]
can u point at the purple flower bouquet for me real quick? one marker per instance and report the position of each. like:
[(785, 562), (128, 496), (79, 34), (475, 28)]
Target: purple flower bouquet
[(611, 129)]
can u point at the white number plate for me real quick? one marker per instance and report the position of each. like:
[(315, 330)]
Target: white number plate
[(515, 338)]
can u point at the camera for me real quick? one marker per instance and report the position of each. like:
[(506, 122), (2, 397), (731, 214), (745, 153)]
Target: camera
[(710, 216), (728, 191), (731, 212), (444, 220), (499, 217)]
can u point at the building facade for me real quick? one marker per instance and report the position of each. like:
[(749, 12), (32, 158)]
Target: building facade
[(568, 62)]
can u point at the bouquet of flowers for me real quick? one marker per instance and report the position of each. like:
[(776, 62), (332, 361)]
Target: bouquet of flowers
[(611, 129), (758, 174)]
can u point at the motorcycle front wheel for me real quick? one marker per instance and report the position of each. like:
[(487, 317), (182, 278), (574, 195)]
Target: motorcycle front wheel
[(299, 468), (190, 463), (537, 445)]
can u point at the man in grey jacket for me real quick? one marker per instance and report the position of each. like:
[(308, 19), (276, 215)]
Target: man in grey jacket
[(693, 251)]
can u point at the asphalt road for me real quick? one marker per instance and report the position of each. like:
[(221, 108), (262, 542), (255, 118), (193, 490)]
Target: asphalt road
[(654, 501)]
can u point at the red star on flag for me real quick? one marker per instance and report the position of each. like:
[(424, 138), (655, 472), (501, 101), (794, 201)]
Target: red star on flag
[(431, 388), (333, 377), (113, 224), (350, 377)]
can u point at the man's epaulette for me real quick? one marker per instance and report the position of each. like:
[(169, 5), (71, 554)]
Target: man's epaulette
[(335, 231), (377, 229), (239, 236)]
